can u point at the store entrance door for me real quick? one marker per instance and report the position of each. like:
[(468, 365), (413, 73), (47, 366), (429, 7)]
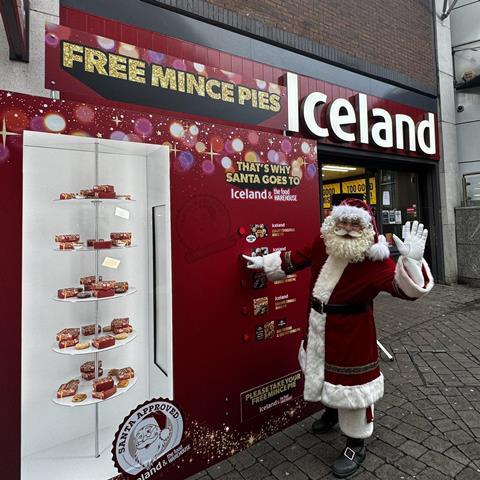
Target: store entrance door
[(347, 181), (394, 196)]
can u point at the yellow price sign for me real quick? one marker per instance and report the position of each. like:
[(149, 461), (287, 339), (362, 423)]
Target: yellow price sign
[(358, 186), (329, 189)]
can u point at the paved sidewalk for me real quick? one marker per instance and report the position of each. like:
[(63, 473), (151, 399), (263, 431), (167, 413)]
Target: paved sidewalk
[(427, 424)]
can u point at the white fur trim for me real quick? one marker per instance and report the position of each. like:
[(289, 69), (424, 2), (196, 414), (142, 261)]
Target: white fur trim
[(379, 251), (272, 265), (314, 369), (352, 397), (351, 213), (353, 423), (302, 357), (328, 277), (314, 358), (407, 285)]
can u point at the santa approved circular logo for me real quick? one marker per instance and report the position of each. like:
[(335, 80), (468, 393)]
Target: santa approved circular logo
[(149, 439)]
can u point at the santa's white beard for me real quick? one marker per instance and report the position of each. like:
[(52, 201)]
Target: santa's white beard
[(352, 249), (147, 455)]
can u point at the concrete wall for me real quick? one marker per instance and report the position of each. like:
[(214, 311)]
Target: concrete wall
[(465, 28), (468, 245), (29, 77), (449, 176)]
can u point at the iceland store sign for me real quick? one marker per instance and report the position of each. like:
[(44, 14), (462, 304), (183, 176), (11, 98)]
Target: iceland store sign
[(90, 65)]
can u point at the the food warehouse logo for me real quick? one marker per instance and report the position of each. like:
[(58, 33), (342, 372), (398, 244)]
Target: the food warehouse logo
[(149, 439)]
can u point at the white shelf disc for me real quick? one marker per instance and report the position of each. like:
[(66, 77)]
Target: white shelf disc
[(90, 349), (93, 200), (91, 249), (130, 291), (85, 386)]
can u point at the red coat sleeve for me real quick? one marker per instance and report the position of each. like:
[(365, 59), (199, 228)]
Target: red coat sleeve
[(296, 260), (389, 278)]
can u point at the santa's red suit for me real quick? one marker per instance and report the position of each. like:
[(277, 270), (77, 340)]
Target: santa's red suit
[(341, 363)]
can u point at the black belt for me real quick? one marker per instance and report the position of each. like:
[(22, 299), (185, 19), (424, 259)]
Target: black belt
[(346, 309)]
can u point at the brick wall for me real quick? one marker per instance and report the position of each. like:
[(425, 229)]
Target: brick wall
[(394, 34)]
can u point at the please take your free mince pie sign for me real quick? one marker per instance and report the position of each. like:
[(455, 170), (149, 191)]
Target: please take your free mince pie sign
[(88, 64)]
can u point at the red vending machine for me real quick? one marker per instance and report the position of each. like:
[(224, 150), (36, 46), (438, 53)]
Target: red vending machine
[(147, 346)]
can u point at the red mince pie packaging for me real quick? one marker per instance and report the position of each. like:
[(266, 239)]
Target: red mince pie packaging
[(104, 188), (125, 373), (126, 329), (105, 195), (104, 293), (104, 383), (121, 239), (68, 292), (68, 389), (97, 244), (104, 394), (71, 237), (103, 342), (91, 375), (87, 282), (118, 324), (67, 343), (121, 287), (104, 285), (87, 193), (89, 366), (90, 241), (88, 330), (68, 334)]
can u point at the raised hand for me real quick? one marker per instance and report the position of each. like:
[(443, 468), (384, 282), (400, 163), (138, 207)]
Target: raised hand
[(414, 244)]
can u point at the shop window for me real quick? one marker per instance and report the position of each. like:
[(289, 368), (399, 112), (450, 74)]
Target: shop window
[(399, 199)]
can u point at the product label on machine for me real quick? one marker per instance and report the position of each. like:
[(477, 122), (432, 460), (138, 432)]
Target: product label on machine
[(265, 397), (149, 439)]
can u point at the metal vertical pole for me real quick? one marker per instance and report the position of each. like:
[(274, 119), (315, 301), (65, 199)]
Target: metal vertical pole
[(97, 206)]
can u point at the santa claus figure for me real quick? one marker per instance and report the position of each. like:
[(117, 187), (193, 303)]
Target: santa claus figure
[(350, 264)]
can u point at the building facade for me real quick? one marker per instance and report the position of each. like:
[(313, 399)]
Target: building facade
[(264, 117)]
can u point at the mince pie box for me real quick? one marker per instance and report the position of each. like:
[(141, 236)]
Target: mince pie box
[(67, 343), (89, 366), (104, 188), (68, 334), (68, 292), (118, 324), (104, 293), (121, 287), (105, 195), (102, 244), (88, 330), (104, 285), (101, 384), (104, 394), (68, 389), (103, 342), (71, 238), (91, 375), (125, 373)]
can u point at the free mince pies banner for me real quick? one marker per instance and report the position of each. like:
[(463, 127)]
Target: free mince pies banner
[(122, 72)]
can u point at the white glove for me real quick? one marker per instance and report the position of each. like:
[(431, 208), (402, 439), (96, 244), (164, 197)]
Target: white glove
[(255, 263), (412, 249)]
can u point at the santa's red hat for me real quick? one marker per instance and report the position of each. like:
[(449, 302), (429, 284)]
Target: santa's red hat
[(354, 209)]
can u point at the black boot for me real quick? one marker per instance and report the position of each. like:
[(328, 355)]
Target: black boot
[(351, 458), (328, 420)]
